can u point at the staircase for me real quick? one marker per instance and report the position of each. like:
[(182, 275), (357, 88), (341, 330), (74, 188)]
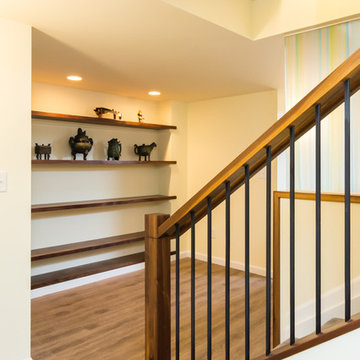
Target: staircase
[(335, 90)]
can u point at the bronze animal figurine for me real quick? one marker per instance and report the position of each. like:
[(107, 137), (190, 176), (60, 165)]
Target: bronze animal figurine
[(42, 150), (100, 111), (144, 150), (140, 116), (114, 149), (80, 144)]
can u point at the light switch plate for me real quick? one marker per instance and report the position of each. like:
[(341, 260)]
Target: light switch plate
[(3, 181)]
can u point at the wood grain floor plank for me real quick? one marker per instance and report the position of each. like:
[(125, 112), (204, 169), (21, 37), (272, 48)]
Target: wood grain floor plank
[(105, 320)]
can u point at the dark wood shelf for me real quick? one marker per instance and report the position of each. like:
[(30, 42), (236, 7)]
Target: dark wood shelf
[(98, 203), (100, 162), (98, 121), (73, 248), (76, 272)]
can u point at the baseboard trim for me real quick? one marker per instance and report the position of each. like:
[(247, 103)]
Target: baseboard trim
[(333, 306), (257, 270), (71, 284), (67, 285), (183, 255)]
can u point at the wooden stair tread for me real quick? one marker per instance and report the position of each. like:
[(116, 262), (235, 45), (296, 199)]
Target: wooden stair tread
[(98, 203), (76, 272), (335, 322), (98, 121), (100, 162), (330, 330), (67, 249), (332, 322)]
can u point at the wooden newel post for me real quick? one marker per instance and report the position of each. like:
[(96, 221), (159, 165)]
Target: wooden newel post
[(157, 291)]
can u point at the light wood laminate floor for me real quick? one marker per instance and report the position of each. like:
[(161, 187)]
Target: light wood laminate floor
[(105, 320)]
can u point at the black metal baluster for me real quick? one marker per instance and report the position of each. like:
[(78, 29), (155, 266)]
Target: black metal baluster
[(177, 348), (318, 217), (292, 236), (227, 271), (192, 214), (268, 250), (347, 202), (209, 291), (247, 263)]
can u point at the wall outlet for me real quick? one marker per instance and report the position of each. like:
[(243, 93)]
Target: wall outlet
[(3, 181)]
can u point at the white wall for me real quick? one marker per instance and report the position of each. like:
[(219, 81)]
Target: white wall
[(343, 347), (199, 127), (273, 17), (218, 131), (258, 19), (332, 263), (15, 130), (176, 114), (234, 15), (67, 183)]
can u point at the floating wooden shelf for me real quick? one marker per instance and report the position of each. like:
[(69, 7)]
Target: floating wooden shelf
[(98, 203), (98, 121), (100, 162), (73, 248), (76, 272)]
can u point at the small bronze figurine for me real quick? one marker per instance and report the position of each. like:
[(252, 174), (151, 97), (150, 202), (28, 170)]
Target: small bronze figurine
[(140, 116), (42, 150), (100, 111), (144, 150), (81, 144), (114, 149)]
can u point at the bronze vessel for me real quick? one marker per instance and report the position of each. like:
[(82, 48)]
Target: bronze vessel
[(144, 150), (80, 144), (114, 149)]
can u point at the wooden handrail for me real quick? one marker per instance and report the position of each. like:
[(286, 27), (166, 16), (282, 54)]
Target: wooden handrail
[(329, 93)]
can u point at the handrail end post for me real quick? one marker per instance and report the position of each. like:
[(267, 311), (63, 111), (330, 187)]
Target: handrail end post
[(157, 291)]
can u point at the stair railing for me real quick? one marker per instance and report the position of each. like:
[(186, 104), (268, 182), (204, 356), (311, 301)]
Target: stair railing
[(336, 89)]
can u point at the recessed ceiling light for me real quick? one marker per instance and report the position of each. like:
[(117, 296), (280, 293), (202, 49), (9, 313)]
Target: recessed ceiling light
[(154, 93), (74, 78)]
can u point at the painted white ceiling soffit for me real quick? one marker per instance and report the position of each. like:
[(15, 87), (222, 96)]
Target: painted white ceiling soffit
[(259, 19), (128, 47)]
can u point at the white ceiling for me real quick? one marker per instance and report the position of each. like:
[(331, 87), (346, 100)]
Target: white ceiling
[(128, 47)]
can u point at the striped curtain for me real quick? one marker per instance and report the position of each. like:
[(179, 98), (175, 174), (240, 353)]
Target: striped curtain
[(309, 58)]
